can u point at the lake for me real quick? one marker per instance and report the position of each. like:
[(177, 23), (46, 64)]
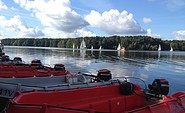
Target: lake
[(146, 65)]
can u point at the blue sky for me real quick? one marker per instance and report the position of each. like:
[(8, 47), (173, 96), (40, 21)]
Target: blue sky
[(77, 18)]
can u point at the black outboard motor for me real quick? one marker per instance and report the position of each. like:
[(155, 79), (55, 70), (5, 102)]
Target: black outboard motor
[(59, 67), (159, 87), (18, 59), (126, 88), (104, 74), (5, 58)]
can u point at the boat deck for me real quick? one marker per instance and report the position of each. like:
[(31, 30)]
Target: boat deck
[(99, 99)]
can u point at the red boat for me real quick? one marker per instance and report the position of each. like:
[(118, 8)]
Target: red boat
[(29, 70), (18, 68), (109, 96)]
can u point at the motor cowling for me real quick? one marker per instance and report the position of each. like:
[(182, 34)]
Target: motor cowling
[(104, 74), (159, 87), (36, 62), (59, 67)]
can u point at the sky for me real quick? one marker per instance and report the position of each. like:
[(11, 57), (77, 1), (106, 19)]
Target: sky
[(163, 19)]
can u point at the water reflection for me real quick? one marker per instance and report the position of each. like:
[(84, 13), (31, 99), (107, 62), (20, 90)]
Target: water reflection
[(121, 53), (159, 54), (82, 53), (146, 65)]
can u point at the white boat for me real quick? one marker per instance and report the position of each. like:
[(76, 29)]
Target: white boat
[(159, 48), (83, 45), (171, 49), (73, 45), (119, 47)]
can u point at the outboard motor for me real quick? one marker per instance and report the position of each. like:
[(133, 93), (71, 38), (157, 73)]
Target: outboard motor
[(18, 59), (1, 53), (159, 87), (126, 88), (5, 58), (59, 67), (104, 74), (36, 62)]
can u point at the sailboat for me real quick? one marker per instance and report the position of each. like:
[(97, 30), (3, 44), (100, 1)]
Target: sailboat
[(119, 47), (159, 48), (73, 45), (83, 45), (100, 48), (171, 49)]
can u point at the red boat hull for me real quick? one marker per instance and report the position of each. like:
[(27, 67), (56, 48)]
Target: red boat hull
[(29, 71), (96, 99)]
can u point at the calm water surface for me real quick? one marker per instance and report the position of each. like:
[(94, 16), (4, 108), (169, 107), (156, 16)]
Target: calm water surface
[(147, 65)]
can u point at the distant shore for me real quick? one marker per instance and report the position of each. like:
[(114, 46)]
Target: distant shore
[(143, 43)]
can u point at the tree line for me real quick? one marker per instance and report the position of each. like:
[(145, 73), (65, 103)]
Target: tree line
[(128, 42)]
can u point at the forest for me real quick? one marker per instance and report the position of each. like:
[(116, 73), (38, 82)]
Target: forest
[(128, 42)]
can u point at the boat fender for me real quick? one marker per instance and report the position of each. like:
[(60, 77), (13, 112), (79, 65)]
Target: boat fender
[(126, 88)]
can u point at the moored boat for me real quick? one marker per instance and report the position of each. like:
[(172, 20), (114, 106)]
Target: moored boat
[(50, 83), (110, 96), (30, 70), (83, 45), (10, 86), (159, 47), (119, 47)]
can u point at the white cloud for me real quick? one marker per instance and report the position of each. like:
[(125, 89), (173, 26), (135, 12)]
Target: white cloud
[(57, 16), (179, 35), (53, 33), (2, 6), (19, 27), (1, 33), (147, 20), (151, 34), (115, 22)]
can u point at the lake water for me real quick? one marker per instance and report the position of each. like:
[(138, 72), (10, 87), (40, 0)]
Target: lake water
[(147, 65)]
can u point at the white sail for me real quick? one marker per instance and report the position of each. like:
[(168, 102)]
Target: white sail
[(73, 45), (83, 45), (119, 47), (171, 49), (159, 48), (100, 48)]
